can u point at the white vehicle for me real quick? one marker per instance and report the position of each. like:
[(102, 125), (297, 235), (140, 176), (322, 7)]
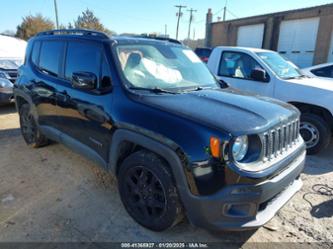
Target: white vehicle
[(267, 73), (324, 71), (12, 52)]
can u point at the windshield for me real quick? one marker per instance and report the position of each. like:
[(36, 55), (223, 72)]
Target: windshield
[(283, 68), (10, 63), (163, 66)]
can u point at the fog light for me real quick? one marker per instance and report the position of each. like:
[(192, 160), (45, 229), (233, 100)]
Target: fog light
[(240, 210), (201, 171)]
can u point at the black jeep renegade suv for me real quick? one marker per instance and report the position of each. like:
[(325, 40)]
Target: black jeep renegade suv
[(149, 111)]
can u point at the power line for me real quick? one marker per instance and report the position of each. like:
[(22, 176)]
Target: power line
[(218, 12), (190, 22), (214, 14), (232, 13), (179, 14)]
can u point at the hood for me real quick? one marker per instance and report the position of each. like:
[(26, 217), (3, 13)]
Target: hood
[(225, 109), (315, 82), (10, 63)]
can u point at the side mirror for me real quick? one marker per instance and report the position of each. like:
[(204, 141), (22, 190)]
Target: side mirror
[(84, 80), (223, 84), (259, 74)]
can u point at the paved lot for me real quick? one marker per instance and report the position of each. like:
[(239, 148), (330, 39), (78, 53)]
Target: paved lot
[(53, 194)]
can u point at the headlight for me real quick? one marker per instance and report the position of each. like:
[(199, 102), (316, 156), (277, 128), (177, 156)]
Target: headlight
[(240, 147), (3, 75), (4, 83)]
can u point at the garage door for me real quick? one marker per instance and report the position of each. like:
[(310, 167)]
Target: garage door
[(250, 36), (297, 40)]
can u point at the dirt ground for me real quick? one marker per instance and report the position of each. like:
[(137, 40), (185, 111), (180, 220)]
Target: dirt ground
[(53, 194)]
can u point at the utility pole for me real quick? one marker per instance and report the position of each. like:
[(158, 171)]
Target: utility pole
[(225, 10), (56, 13), (179, 14), (165, 30), (190, 22)]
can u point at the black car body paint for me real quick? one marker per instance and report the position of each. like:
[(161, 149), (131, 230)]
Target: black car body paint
[(216, 193)]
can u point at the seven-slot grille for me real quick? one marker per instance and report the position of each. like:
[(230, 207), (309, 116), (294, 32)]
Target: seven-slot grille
[(280, 139)]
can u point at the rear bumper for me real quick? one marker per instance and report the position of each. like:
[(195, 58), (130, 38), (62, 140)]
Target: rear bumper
[(246, 206)]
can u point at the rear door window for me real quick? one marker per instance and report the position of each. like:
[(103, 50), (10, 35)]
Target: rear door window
[(105, 81), (83, 57), (50, 56)]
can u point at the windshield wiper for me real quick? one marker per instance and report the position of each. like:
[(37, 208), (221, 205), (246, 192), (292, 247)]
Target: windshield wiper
[(195, 89), (294, 77), (153, 90), (199, 88)]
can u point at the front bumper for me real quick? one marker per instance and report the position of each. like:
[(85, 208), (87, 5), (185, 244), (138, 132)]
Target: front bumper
[(6, 95), (246, 206)]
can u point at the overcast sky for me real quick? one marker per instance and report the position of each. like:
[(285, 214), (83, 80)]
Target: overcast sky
[(144, 16)]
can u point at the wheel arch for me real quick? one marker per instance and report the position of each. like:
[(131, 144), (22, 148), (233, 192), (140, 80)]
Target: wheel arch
[(23, 98), (315, 109), (125, 142)]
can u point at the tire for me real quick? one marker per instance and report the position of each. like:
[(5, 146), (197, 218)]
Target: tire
[(148, 191), (29, 129), (315, 132)]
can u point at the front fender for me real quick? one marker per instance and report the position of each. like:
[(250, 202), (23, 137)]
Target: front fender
[(166, 152)]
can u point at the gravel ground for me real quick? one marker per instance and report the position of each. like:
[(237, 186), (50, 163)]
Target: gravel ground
[(53, 194)]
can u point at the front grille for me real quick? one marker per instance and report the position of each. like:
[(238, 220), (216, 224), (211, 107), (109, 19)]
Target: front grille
[(280, 139), (12, 75)]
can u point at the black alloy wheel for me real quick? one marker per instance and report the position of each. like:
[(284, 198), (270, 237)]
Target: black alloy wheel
[(148, 191), (29, 129), (146, 195)]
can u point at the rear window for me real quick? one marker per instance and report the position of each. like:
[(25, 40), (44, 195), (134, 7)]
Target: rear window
[(324, 72), (50, 54), (203, 52), (83, 57)]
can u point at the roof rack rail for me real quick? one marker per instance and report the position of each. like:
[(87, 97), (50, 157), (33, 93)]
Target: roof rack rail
[(73, 32), (161, 38)]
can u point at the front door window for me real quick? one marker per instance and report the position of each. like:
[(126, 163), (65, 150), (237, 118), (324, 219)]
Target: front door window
[(237, 65)]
